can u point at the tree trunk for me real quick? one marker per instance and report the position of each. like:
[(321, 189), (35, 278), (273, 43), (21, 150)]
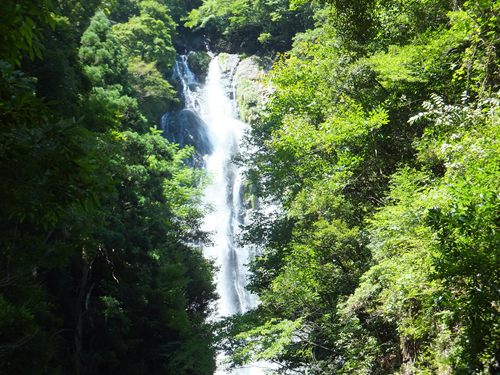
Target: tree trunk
[(80, 311)]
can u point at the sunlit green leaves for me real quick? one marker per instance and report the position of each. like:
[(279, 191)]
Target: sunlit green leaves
[(101, 54), (148, 36), (390, 249), (250, 25), (19, 31), (153, 92), (268, 341)]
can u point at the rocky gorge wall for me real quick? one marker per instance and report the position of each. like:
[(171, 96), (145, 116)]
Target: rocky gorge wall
[(240, 78), (243, 76)]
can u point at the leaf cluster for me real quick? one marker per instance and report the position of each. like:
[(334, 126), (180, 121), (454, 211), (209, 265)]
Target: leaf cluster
[(381, 254), (98, 214)]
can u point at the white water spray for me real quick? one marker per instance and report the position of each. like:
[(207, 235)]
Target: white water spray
[(226, 194), (223, 132)]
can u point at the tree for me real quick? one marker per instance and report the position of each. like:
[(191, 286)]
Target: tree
[(250, 25), (154, 93), (149, 36), (18, 30), (101, 54), (62, 258), (147, 293), (352, 274), (111, 102)]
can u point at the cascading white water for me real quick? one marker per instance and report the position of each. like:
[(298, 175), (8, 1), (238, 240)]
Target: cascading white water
[(223, 132), (226, 194)]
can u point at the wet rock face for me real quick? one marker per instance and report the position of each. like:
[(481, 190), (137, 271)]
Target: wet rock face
[(186, 128), (249, 69), (241, 81), (251, 93), (228, 64)]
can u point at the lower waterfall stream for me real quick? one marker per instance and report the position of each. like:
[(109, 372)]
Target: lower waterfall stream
[(209, 123)]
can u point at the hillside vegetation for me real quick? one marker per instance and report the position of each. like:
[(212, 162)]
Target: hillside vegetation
[(97, 208), (377, 154)]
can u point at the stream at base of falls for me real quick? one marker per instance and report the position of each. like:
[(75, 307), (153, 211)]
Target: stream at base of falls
[(209, 123)]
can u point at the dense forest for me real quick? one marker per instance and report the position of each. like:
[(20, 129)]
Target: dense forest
[(373, 155), (98, 209)]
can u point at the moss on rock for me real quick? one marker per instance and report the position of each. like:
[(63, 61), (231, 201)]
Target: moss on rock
[(198, 62), (250, 91), (249, 197), (223, 60), (248, 100)]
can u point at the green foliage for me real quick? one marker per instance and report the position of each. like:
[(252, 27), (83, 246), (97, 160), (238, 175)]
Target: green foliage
[(317, 140), (25, 346), (481, 59), (153, 92), (108, 104), (150, 292), (369, 26), (383, 255), (121, 10), (417, 61), (466, 252), (97, 275), (323, 132), (148, 36), (101, 53), (198, 62), (397, 292), (250, 25), (376, 181), (181, 8), (78, 13), (267, 341), (18, 29), (109, 108), (60, 76), (44, 160)]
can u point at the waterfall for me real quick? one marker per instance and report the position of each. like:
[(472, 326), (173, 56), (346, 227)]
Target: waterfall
[(208, 122)]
